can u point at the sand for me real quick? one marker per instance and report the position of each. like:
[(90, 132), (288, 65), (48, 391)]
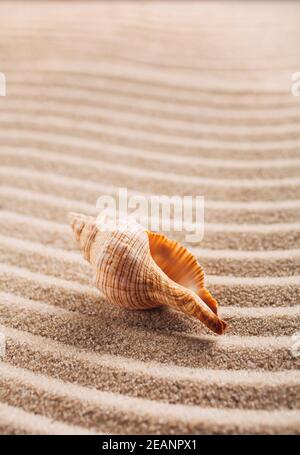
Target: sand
[(173, 98)]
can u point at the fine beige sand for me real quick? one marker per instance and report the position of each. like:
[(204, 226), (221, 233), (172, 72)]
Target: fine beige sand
[(186, 98)]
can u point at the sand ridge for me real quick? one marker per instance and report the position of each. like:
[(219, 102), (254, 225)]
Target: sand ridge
[(159, 98)]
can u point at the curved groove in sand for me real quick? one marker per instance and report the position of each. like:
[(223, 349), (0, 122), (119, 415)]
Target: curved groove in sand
[(151, 174), (274, 320), (91, 116), (115, 149), (183, 417), (107, 189), (129, 84), (123, 82), (155, 106), (14, 420), (155, 77), (148, 137), (159, 370), (116, 106), (11, 301), (89, 333)]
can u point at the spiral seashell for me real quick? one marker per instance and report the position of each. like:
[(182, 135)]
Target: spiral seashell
[(139, 269)]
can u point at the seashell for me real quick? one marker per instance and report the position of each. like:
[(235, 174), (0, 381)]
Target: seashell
[(139, 269)]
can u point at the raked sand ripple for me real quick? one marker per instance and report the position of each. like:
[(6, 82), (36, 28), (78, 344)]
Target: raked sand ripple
[(156, 102)]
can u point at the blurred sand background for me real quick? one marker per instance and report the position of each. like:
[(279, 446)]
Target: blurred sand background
[(188, 98)]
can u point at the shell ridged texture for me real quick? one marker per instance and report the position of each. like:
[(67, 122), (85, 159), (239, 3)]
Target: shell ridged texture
[(138, 269)]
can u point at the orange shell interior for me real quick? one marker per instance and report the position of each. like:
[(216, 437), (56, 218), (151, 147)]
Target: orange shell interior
[(180, 266)]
